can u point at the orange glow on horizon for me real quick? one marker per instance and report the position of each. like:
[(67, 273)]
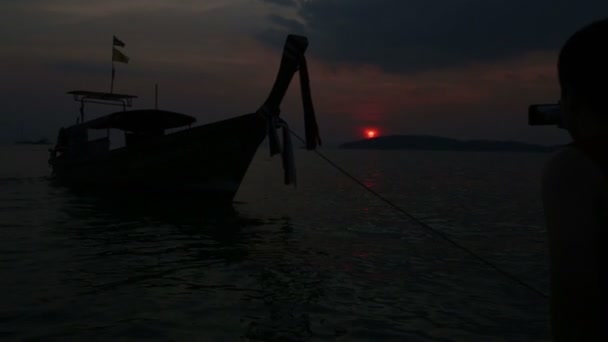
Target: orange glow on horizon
[(371, 133)]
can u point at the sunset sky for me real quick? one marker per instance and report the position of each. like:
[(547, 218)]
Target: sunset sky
[(463, 69)]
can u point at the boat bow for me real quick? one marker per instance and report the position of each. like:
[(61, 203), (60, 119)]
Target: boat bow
[(293, 60)]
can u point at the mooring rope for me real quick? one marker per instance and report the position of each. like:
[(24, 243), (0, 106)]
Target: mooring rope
[(428, 227)]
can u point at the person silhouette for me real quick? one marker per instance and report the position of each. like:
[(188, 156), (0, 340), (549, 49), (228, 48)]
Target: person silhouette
[(575, 191)]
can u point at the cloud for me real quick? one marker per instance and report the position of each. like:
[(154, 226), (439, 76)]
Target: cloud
[(111, 7), (79, 67), (291, 24), (417, 35), (282, 2)]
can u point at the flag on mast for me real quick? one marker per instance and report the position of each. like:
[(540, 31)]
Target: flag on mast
[(118, 56), (118, 42)]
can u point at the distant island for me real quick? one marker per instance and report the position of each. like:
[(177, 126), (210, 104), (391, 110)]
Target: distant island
[(434, 143)]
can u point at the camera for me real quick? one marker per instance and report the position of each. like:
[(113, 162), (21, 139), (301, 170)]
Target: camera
[(545, 114)]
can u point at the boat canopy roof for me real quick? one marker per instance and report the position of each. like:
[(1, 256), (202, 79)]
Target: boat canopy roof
[(100, 95), (140, 120)]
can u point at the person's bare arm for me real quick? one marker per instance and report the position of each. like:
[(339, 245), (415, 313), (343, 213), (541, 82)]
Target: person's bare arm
[(570, 199)]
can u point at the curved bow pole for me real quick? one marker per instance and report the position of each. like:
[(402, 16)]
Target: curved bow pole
[(292, 60), (313, 139), (294, 49)]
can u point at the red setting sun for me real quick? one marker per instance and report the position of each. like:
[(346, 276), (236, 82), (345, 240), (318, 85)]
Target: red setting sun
[(371, 133)]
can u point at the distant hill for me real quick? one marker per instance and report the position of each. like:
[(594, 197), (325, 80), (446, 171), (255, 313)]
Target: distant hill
[(434, 143)]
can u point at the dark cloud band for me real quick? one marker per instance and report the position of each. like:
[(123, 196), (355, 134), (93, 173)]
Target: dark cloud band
[(418, 35)]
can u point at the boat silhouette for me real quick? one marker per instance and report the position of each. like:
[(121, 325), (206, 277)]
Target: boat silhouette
[(207, 161)]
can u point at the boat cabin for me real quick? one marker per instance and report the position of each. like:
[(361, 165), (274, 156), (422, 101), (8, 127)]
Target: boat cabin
[(139, 126)]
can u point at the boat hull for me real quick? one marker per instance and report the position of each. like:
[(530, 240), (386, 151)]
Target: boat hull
[(208, 162)]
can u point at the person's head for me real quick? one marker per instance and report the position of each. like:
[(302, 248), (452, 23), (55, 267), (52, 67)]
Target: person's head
[(583, 78)]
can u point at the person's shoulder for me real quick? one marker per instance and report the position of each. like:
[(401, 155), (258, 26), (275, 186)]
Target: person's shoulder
[(571, 166), (567, 159)]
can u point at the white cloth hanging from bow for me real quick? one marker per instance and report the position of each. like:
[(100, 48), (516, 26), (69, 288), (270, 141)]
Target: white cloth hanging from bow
[(286, 151)]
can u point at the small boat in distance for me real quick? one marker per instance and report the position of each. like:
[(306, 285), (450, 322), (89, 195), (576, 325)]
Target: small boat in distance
[(207, 161)]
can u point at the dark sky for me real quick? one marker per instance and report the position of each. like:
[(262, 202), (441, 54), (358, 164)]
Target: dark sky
[(464, 69)]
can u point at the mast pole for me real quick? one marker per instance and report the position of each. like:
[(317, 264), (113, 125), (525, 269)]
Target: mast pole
[(112, 82), (113, 71)]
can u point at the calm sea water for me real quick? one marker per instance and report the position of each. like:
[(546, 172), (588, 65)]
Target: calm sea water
[(323, 261)]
